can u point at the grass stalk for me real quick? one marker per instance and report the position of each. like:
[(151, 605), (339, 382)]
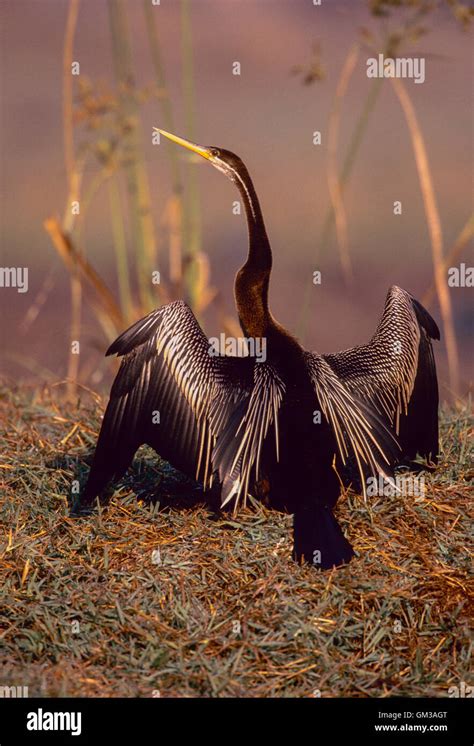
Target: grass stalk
[(334, 184), (175, 207), (73, 184), (108, 313), (120, 245), (434, 228), (165, 101), (192, 213), (351, 153), (453, 255), (68, 126), (348, 163), (143, 233)]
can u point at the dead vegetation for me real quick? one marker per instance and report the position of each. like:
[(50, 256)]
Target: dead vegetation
[(164, 595)]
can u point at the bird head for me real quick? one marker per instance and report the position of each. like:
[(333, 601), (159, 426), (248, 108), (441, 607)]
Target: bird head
[(225, 161)]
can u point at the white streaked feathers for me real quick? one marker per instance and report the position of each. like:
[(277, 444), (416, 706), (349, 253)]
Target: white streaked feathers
[(169, 343), (384, 371)]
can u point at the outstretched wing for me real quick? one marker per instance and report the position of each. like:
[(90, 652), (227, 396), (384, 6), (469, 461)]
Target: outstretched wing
[(359, 431), (172, 394), (396, 372)]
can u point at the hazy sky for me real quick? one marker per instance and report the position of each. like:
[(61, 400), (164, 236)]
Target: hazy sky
[(266, 116)]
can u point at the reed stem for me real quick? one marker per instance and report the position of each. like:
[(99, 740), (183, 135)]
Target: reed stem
[(192, 213), (143, 233), (120, 245), (434, 228)]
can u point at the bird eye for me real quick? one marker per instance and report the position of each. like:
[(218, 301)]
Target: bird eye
[(215, 152)]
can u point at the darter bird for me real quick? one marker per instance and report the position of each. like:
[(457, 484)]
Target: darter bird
[(280, 425)]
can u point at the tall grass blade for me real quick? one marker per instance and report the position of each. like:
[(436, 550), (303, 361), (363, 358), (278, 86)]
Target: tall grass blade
[(120, 246), (143, 233), (452, 256), (434, 227), (108, 313), (334, 184), (73, 183), (192, 219), (348, 163), (175, 207)]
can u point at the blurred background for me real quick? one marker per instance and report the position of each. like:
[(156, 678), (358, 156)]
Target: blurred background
[(95, 208)]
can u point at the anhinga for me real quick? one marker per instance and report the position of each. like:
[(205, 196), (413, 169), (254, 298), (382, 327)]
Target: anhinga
[(282, 425)]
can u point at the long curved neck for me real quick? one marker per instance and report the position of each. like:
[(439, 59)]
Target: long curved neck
[(252, 280)]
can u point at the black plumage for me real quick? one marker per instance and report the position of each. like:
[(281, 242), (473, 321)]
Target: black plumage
[(281, 425)]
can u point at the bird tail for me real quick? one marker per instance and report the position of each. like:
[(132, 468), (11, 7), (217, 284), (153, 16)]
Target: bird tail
[(318, 538)]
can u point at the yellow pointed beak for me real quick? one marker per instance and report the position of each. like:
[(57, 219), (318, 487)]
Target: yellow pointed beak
[(205, 152)]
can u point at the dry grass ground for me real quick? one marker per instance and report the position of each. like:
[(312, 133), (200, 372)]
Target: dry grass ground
[(90, 607)]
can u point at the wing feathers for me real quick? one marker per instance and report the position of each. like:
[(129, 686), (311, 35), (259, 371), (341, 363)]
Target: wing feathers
[(168, 373), (209, 414), (238, 450), (360, 433), (396, 372)]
